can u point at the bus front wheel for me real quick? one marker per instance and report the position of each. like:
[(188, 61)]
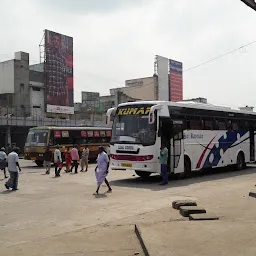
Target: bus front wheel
[(39, 163), (142, 174)]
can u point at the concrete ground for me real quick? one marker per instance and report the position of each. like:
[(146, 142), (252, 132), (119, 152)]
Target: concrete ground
[(60, 216)]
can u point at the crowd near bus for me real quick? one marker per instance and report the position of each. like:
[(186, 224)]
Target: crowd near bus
[(40, 138), (183, 136), (47, 145)]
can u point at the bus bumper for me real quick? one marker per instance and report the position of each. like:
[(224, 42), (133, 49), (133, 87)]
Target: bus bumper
[(34, 156), (143, 166)]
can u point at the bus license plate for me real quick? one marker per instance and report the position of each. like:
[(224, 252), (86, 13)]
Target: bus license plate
[(33, 158), (126, 165)]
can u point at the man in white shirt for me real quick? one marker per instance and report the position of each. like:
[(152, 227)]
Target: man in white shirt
[(13, 168), (3, 163), (57, 161)]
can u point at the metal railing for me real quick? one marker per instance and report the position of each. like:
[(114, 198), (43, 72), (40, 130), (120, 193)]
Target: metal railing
[(17, 116)]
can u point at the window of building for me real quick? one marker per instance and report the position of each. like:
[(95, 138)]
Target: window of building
[(36, 89), (21, 87)]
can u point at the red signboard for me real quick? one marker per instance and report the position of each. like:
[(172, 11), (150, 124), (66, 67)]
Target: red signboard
[(96, 133), (83, 133), (108, 133), (176, 81), (57, 134)]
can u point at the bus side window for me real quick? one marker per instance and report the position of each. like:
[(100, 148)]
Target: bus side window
[(195, 123), (233, 125), (244, 125), (220, 124), (207, 124)]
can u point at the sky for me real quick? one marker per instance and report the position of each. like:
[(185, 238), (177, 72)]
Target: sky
[(115, 40)]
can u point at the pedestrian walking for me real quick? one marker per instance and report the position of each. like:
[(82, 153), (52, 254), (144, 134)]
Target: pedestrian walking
[(68, 159), (13, 168), (3, 163), (84, 158), (47, 159), (57, 161), (163, 159), (75, 158), (101, 171)]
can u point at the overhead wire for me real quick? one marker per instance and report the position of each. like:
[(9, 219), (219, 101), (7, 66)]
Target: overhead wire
[(130, 88)]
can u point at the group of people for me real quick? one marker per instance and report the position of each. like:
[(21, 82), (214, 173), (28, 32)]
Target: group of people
[(10, 160), (72, 160)]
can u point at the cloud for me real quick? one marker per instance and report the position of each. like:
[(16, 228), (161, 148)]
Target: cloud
[(89, 6), (117, 40)]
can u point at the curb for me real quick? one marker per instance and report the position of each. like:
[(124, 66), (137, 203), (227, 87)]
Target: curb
[(138, 234)]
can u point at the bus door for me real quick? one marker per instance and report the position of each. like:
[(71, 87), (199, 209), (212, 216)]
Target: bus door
[(165, 131), (171, 133), (177, 147)]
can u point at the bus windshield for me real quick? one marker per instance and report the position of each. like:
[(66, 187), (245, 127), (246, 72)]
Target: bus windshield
[(37, 138), (131, 126)]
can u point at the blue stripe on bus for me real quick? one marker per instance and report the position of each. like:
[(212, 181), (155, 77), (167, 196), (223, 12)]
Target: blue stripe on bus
[(225, 142)]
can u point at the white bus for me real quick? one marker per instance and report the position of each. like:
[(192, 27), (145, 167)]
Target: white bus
[(198, 136)]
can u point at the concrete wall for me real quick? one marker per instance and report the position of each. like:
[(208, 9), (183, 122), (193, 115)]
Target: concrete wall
[(139, 81), (37, 98), (141, 88), (21, 83), (36, 76), (7, 77)]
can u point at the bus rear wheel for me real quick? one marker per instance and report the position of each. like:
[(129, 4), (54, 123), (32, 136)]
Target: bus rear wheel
[(240, 162), (142, 174), (39, 163), (187, 169)]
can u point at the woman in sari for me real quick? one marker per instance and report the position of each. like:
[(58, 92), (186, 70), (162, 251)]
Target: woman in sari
[(101, 170), (68, 159)]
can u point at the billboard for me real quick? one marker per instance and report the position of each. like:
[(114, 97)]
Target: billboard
[(176, 81), (58, 69), (162, 73)]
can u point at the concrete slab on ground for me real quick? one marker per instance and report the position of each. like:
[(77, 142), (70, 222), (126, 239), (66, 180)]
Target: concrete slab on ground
[(209, 238), (60, 216), (101, 240), (203, 216), (185, 211), (178, 203)]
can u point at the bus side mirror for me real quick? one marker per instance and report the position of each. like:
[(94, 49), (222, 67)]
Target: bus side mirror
[(110, 115), (151, 118)]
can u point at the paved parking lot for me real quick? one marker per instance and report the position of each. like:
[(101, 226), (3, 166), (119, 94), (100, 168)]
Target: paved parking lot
[(58, 216)]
